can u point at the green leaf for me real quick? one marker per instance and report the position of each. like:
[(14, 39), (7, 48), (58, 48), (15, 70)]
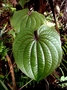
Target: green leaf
[(37, 53), (3, 86), (1, 77), (63, 78), (26, 18), (3, 50)]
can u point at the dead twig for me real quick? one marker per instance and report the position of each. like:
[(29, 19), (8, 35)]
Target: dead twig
[(12, 72)]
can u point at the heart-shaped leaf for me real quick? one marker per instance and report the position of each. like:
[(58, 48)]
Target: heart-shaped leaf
[(37, 53), (27, 18)]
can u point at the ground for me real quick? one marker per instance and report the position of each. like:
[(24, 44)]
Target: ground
[(61, 14)]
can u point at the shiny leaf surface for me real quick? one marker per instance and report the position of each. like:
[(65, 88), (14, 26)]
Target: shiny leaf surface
[(37, 53)]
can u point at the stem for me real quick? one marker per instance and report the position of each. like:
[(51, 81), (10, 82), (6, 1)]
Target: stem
[(29, 13), (12, 72), (53, 11), (25, 85)]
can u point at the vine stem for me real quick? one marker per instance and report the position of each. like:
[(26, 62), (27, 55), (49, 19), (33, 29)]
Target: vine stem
[(11, 71), (25, 85)]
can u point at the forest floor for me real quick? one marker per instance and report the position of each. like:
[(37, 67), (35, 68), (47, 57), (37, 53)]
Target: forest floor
[(52, 82)]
